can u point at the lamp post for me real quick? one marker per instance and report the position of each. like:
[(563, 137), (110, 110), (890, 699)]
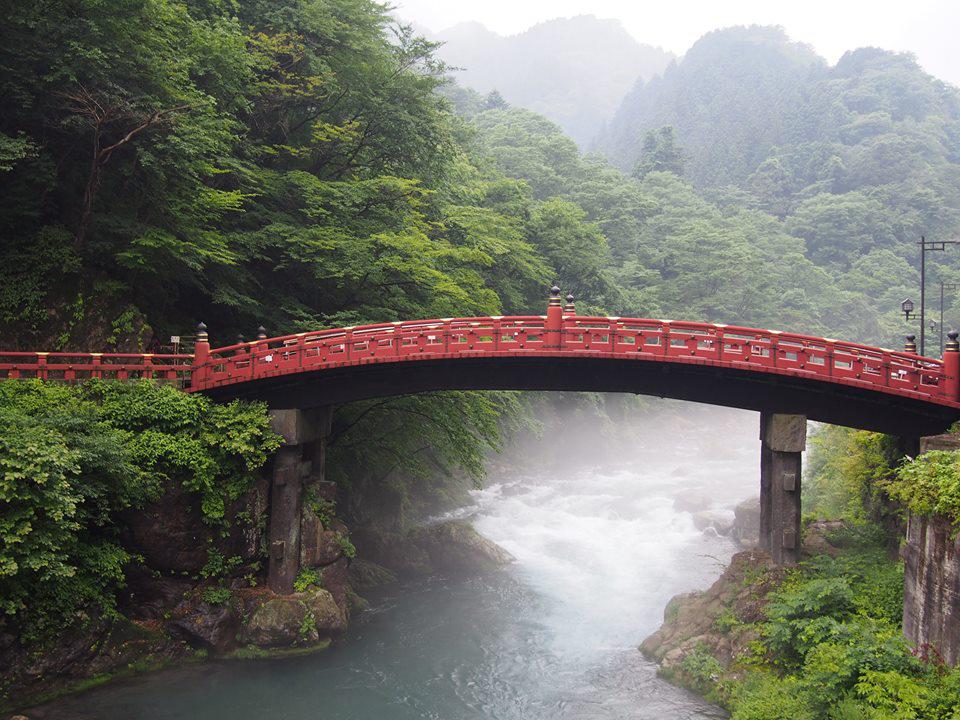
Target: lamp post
[(907, 307), (926, 246)]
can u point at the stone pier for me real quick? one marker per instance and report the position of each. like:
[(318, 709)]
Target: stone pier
[(297, 467), (783, 439), (931, 578)]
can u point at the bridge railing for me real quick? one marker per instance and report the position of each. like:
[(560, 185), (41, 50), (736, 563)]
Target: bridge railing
[(734, 346), (72, 367), (771, 350), (570, 335)]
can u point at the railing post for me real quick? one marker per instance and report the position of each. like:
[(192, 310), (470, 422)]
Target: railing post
[(554, 326), (201, 353), (951, 366), (910, 345)]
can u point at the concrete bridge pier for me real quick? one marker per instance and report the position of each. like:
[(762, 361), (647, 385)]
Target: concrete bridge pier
[(783, 439), (298, 465)]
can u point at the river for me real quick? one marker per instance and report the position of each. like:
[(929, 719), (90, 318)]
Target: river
[(599, 551)]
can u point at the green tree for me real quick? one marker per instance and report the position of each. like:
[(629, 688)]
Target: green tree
[(660, 153)]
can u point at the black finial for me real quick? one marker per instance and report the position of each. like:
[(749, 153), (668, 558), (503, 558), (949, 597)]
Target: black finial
[(201, 331), (261, 333), (910, 346), (569, 297), (241, 338), (952, 345), (911, 338), (555, 291)]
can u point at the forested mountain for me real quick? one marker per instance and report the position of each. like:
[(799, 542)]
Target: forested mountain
[(574, 71), (857, 160), (669, 251), (728, 98)]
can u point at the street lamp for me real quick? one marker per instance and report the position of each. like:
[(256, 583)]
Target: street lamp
[(907, 307)]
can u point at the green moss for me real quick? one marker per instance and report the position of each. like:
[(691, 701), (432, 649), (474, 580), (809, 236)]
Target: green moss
[(252, 652)]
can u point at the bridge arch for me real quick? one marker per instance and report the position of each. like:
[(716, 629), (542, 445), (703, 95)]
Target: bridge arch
[(788, 377)]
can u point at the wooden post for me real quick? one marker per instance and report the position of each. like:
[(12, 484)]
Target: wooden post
[(951, 366), (554, 328)]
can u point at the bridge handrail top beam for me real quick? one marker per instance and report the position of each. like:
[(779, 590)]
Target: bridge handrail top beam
[(82, 354), (573, 322)]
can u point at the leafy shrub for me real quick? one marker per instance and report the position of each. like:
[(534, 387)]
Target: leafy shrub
[(73, 457), (702, 668), (216, 595), (348, 548), (768, 697), (805, 615), (929, 484), (308, 577), (896, 696)]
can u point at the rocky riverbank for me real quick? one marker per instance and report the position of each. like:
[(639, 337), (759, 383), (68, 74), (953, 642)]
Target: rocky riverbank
[(174, 620), (768, 641)]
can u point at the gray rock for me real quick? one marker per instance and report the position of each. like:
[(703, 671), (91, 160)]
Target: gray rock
[(455, 547), (746, 524), (691, 501), (208, 627), (721, 521), (290, 620)]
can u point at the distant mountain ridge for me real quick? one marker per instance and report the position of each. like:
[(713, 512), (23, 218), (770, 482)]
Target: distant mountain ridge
[(574, 71), (729, 99)]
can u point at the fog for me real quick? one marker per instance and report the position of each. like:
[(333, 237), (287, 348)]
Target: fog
[(928, 30)]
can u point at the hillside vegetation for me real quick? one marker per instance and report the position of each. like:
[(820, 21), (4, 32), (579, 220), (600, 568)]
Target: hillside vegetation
[(857, 160)]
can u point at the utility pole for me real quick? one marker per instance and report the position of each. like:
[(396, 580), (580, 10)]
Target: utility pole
[(952, 287), (925, 246)]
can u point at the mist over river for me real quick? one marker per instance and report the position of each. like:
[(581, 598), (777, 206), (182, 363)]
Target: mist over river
[(599, 549)]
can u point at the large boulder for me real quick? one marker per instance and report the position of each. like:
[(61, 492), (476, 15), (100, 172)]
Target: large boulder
[(456, 548), (301, 619), (746, 524), (206, 626), (718, 619), (720, 520), (392, 550)]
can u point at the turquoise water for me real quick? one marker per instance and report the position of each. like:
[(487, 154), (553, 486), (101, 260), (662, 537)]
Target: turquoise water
[(554, 635)]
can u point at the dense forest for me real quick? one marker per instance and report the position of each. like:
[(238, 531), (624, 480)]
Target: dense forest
[(857, 161), (310, 163)]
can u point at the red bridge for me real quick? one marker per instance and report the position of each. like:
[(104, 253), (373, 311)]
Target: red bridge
[(787, 377), (830, 380)]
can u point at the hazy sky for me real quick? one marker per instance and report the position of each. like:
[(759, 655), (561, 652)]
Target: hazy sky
[(928, 28)]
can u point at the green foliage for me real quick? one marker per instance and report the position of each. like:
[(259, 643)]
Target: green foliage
[(660, 153), (846, 472), (857, 160), (929, 484), (73, 457), (217, 595), (308, 577), (348, 548), (767, 697), (702, 669), (219, 565)]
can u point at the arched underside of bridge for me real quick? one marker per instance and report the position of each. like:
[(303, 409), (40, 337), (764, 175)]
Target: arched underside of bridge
[(817, 399)]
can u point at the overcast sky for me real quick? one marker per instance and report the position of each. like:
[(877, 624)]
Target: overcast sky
[(928, 28)]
